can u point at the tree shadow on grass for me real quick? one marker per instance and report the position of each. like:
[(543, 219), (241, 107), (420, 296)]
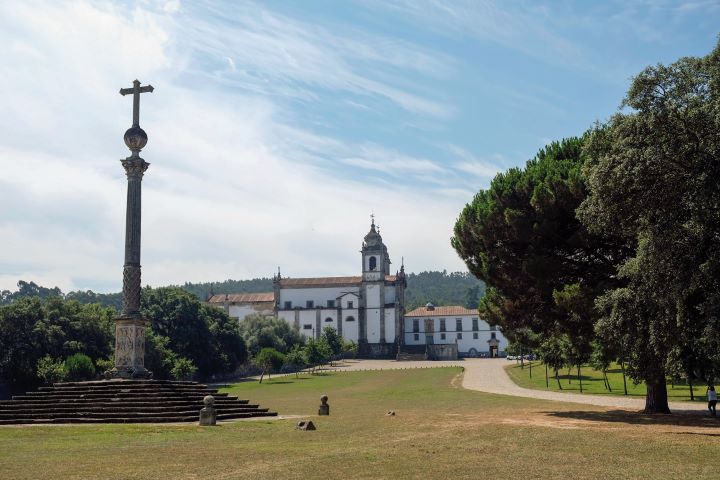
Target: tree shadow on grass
[(685, 418)]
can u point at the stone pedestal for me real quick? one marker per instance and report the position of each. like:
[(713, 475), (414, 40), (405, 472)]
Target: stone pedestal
[(208, 414), (324, 407), (129, 348)]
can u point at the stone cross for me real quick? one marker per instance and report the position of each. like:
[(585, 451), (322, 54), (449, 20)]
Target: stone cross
[(130, 324), (136, 90)]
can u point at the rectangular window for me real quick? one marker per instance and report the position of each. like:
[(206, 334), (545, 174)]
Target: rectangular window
[(416, 326), (307, 326), (442, 324), (476, 327), (492, 336), (475, 336), (442, 336), (458, 324), (350, 304), (416, 337), (493, 328), (459, 336), (331, 304), (288, 305), (309, 304)]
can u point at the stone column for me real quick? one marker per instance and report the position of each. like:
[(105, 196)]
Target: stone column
[(130, 324)]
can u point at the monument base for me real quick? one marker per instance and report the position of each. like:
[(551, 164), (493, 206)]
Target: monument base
[(129, 348)]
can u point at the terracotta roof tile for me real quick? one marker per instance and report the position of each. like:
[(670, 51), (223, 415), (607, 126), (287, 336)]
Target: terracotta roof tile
[(446, 311), (243, 298)]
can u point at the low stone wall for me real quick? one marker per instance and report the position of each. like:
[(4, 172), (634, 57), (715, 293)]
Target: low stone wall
[(377, 350), (442, 352)]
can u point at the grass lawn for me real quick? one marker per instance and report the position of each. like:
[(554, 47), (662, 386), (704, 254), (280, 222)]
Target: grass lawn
[(592, 381), (441, 431)]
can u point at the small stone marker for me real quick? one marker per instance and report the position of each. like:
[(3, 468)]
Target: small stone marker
[(208, 415), (324, 407), (305, 425), (390, 413)]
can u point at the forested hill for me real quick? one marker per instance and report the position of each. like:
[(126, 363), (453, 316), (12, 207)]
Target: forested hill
[(440, 288), (205, 290), (443, 288)]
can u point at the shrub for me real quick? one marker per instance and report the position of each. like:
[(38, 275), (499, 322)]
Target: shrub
[(50, 371), (183, 369), (104, 364), (79, 367)]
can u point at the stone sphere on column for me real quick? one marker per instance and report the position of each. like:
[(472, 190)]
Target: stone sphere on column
[(135, 138)]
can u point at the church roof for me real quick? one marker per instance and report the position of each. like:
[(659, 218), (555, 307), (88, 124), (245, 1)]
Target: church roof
[(243, 298), (327, 281), (446, 311)]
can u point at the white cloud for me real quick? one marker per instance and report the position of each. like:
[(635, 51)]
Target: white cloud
[(234, 187)]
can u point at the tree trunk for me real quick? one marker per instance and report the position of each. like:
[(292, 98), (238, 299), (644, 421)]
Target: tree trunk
[(580, 379), (262, 375), (692, 395), (557, 378), (656, 400), (607, 380), (547, 381), (622, 366), (568, 375), (522, 360), (530, 365)]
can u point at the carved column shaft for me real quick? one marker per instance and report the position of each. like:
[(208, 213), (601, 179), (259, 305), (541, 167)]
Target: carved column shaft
[(134, 168)]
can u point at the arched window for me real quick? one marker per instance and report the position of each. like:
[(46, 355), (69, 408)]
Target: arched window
[(373, 263), (328, 319), (349, 319)]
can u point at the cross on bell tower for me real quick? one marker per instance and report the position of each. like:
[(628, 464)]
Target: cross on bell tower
[(130, 324)]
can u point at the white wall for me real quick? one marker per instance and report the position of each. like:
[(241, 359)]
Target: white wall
[(390, 325), (350, 329), (319, 296), (372, 296), (465, 344), (389, 295), (372, 319)]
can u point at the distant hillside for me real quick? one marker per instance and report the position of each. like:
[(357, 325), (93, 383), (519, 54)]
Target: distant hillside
[(443, 288), (439, 288), (204, 290)]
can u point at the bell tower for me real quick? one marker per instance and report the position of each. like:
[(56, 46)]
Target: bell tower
[(375, 258)]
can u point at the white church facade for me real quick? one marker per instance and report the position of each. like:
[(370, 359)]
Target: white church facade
[(366, 309), (369, 309)]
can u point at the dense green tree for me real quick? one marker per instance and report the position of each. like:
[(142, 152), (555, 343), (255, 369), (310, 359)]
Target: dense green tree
[(268, 360), (653, 174), (201, 333), (260, 331), (28, 289), (295, 360), (333, 340), (32, 328), (543, 267)]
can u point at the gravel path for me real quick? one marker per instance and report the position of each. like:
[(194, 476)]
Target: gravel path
[(488, 375)]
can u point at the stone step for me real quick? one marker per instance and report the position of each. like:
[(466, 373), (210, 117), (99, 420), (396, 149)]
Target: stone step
[(178, 419), (155, 408), (99, 396), (74, 403), (122, 402), (122, 385), (136, 414)]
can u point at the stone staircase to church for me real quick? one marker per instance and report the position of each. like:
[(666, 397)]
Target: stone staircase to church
[(123, 401), (408, 353)]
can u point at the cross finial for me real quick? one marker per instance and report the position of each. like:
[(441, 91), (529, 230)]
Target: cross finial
[(136, 90), (372, 219)]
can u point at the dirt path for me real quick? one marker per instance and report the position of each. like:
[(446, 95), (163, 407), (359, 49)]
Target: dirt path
[(488, 375)]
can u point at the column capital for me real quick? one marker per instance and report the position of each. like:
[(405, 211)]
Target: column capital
[(134, 167)]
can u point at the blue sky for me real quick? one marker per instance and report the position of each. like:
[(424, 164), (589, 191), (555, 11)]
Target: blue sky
[(276, 128)]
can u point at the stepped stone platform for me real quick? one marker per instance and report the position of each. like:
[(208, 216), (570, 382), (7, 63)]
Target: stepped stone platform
[(123, 401)]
